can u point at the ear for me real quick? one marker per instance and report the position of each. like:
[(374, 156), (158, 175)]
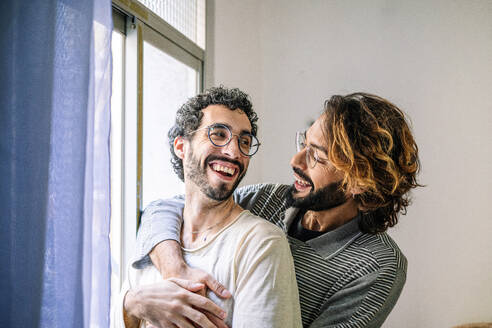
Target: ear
[(179, 146)]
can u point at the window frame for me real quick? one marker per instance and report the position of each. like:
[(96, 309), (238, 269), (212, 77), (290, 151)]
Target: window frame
[(140, 24)]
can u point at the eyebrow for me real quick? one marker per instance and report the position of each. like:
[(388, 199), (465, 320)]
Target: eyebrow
[(323, 149), (230, 127)]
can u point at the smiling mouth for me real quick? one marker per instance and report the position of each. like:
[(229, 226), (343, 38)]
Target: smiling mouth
[(223, 170), (301, 183)]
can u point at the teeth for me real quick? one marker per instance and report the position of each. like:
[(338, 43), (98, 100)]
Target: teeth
[(225, 169), (302, 182)]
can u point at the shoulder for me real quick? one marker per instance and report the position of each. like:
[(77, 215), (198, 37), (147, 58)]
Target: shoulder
[(381, 250), (257, 228), (259, 241)]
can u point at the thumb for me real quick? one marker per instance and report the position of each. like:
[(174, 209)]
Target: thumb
[(188, 284)]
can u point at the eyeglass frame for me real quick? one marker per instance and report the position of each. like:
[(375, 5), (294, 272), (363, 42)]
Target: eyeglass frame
[(209, 127), (311, 152)]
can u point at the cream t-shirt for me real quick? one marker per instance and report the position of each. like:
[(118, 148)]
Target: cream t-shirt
[(251, 258)]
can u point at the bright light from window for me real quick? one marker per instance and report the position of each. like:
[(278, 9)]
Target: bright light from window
[(168, 83), (187, 16), (116, 144)]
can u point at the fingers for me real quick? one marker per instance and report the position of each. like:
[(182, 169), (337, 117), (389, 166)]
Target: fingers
[(187, 300), (196, 317), (203, 303), (187, 284), (216, 287), (168, 324), (183, 323), (199, 301), (216, 321), (171, 322)]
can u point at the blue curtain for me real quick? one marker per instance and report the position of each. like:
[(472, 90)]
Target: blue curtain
[(55, 78)]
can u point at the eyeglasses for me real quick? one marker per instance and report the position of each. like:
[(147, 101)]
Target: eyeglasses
[(312, 156), (220, 135)]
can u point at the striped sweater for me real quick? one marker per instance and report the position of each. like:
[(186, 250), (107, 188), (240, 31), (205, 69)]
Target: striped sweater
[(346, 278)]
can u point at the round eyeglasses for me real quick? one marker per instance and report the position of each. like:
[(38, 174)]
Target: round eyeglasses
[(312, 156), (220, 135)]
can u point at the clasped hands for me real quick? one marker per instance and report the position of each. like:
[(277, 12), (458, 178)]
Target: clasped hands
[(176, 302)]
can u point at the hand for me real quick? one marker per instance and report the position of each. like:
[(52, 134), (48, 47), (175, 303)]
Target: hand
[(173, 303), (167, 258)]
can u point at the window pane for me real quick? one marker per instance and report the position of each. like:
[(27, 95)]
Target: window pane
[(187, 16), (167, 84)]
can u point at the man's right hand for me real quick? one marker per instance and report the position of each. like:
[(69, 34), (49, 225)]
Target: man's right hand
[(168, 259), (173, 303)]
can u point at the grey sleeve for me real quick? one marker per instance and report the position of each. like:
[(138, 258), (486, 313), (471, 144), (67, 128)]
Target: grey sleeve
[(245, 196), (362, 303), (161, 220)]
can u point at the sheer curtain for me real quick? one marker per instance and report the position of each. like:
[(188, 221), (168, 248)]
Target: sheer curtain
[(55, 66)]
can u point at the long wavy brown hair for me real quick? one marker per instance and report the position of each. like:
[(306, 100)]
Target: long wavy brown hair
[(371, 142)]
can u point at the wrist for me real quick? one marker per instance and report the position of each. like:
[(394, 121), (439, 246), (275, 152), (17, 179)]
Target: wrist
[(130, 303), (177, 269)]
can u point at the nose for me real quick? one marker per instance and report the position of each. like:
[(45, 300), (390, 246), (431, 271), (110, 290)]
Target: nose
[(232, 148), (299, 160)]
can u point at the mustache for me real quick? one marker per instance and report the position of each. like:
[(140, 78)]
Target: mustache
[(302, 175), (224, 159)]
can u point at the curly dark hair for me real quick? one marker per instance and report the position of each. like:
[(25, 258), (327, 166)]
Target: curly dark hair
[(370, 141), (189, 116)]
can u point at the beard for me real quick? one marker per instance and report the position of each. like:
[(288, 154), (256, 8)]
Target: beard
[(198, 174), (328, 197)]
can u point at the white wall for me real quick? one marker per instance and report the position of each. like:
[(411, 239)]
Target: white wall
[(434, 60)]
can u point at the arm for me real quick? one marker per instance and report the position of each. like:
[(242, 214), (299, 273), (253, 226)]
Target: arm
[(365, 302), (162, 219), (266, 292)]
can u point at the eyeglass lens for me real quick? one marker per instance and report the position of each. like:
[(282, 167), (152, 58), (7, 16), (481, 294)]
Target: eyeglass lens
[(301, 144), (221, 135)]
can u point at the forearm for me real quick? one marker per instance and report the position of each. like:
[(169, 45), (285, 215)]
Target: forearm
[(168, 258)]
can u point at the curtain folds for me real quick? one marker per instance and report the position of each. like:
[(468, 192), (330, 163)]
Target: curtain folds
[(54, 170)]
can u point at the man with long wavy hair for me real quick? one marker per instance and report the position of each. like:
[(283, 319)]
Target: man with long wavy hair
[(353, 171)]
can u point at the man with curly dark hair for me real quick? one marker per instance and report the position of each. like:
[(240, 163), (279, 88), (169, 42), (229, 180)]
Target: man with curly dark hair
[(353, 171), (212, 142)]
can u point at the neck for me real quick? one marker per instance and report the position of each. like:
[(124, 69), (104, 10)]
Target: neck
[(331, 219), (201, 213)]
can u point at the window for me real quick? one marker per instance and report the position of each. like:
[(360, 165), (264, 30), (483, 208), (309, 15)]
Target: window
[(187, 16), (156, 68)]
